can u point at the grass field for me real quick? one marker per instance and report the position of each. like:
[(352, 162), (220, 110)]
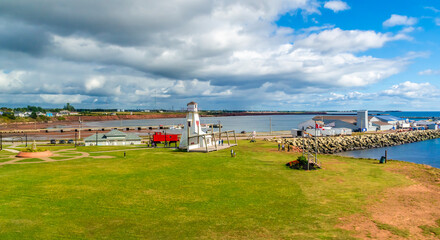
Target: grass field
[(167, 194)]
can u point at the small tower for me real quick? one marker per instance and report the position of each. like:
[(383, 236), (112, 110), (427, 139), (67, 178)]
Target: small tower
[(192, 134), (362, 120)]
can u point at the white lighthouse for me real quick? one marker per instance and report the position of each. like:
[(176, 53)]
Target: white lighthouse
[(193, 137)]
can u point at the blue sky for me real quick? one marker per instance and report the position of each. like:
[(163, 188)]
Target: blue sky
[(245, 54)]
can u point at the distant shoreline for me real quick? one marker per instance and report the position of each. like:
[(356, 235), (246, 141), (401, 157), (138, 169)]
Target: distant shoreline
[(74, 120)]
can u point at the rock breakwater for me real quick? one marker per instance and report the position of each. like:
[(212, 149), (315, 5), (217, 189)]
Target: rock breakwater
[(331, 145)]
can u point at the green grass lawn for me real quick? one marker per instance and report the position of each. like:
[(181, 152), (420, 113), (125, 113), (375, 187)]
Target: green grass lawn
[(30, 160), (5, 156), (167, 194)]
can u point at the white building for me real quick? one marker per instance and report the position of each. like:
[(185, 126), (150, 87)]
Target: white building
[(383, 126), (193, 137), (22, 114), (355, 123), (309, 124)]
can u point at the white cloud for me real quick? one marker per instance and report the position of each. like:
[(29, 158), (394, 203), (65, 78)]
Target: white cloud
[(437, 21), (198, 88), (94, 83), (62, 98), (433, 9), (409, 29), (213, 50), (11, 81), (338, 40), (413, 90), (429, 72), (397, 20), (336, 6), (319, 57)]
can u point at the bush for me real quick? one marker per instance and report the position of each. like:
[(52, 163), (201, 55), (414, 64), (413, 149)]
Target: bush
[(302, 160), (9, 115), (34, 150), (300, 163), (43, 118), (34, 115)]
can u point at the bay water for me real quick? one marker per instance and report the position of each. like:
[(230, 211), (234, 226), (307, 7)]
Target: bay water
[(425, 152), (237, 123)]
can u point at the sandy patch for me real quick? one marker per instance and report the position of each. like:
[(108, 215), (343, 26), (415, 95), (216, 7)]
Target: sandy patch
[(403, 208)]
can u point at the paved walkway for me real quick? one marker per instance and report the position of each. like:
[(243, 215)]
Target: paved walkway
[(14, 145), (11, 150)]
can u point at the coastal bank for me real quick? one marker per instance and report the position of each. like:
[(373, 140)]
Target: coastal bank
[(330, 145)]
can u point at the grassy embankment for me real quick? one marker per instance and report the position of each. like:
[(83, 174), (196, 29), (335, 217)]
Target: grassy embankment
[(165, 194)]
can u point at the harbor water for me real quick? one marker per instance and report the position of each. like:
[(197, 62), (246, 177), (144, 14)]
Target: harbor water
[(425, 152), (237, 123)]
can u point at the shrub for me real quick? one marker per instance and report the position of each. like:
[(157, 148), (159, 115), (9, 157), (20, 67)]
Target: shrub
[(300, 163), (302, 160), (34, 150)]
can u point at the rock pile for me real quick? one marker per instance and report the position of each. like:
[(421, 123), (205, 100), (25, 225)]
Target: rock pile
[(331, 145)]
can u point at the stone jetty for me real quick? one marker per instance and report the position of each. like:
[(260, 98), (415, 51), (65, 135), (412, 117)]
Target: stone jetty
[(331, 145)]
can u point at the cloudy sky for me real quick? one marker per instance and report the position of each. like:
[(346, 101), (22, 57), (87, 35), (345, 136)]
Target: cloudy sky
[(240, 54)]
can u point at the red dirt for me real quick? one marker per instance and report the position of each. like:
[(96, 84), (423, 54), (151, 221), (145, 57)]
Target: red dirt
[(34, 154), (405, 208)]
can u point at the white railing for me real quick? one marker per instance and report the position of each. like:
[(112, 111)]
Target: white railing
[(312, 159)]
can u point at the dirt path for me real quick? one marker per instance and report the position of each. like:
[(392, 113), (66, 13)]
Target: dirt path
[(14, 145), (65, 154)]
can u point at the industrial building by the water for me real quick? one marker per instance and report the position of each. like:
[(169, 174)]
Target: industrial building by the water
[(330, 125)]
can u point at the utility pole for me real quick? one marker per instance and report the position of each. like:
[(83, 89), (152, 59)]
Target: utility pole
[(76, 141), (1, 141), (96, 138), (26, 139), (304, 145), (316, 143), (155, 96), (80, 125), (219, 130)]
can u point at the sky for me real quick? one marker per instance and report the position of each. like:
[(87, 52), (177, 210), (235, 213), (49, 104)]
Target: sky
[(290, 55)]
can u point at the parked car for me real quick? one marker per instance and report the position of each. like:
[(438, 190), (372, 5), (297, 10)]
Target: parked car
[(53, 141), (62, 141), (70, 141)]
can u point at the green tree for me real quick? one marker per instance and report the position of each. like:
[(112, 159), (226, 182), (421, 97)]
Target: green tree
[(9, 115), (34, 115), (69, 107)]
